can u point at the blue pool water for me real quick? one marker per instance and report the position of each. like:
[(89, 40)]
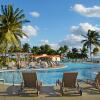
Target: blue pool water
[(85, 71)]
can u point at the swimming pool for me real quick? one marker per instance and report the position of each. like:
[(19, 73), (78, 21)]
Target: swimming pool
[(49, 77)]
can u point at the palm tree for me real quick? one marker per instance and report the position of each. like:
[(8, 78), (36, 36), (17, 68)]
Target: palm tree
[(75, 53), (83, 53), (11, 22), (26, 47), (95, 51), (14, 49), (35, 50), (91, 39), (63, 49), (44, 49)]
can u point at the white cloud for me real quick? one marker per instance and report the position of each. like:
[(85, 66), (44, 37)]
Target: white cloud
[(83, 28), (43, 42), (30, 31), (53, 45), (35, 14), (72, 40), (74, 37), (89, 11)]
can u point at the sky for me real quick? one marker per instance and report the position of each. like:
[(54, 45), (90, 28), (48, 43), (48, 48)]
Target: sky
[(58, 22)]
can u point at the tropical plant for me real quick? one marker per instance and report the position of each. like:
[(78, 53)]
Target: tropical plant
[(26, 47), (52, 52), (74, 50), (95, 51), (35, 50), (11, 22), (83, 53), (63, 49), (77, 54), (69, 55), (44, 49), (92, 38), (14, 49)]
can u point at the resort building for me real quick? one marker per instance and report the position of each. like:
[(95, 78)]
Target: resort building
[(51, 57)]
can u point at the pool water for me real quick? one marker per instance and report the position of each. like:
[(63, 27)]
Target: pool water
[(49, 77)]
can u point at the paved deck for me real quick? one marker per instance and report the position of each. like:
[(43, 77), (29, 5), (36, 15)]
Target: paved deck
[(49, 93)]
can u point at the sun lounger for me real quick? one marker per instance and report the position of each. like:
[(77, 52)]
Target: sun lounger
[(69, 83), (96, 82), (30, 82)]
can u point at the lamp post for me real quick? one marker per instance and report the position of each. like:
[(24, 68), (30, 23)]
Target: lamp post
[(13, 78), (13, 92)]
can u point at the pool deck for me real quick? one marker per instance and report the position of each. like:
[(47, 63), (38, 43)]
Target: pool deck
[(49, 93)]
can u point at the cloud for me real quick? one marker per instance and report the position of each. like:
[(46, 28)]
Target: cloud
[(89, 11), (43, 42), (53, 45), (35, 14), (83, 28), (74, 39), (71, 41), (30, 31)]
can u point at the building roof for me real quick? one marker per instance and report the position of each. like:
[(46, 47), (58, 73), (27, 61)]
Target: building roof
[(45, 56)]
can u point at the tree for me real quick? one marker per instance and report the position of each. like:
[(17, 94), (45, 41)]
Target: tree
[(74, 50), (14, 49), (83, 54), (69, 55), (52, 52), (26, 47), (91, 39), (95, 51), (44, 49), (35, 50), (63, 49), (11, 22), (75, 53)]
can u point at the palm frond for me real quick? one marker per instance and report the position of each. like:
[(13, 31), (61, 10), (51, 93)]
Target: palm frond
[(3, 11), (11, 22), (18, 13), (84, 36), (83, 41)]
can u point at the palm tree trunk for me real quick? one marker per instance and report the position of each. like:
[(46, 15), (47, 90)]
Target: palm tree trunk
[(5, 53), (90, 53)]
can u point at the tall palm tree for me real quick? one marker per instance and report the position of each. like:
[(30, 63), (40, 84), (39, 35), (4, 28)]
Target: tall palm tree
[(11, 22), (91, 39)]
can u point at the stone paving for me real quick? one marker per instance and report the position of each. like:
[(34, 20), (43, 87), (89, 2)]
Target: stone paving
[(8, 92)]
